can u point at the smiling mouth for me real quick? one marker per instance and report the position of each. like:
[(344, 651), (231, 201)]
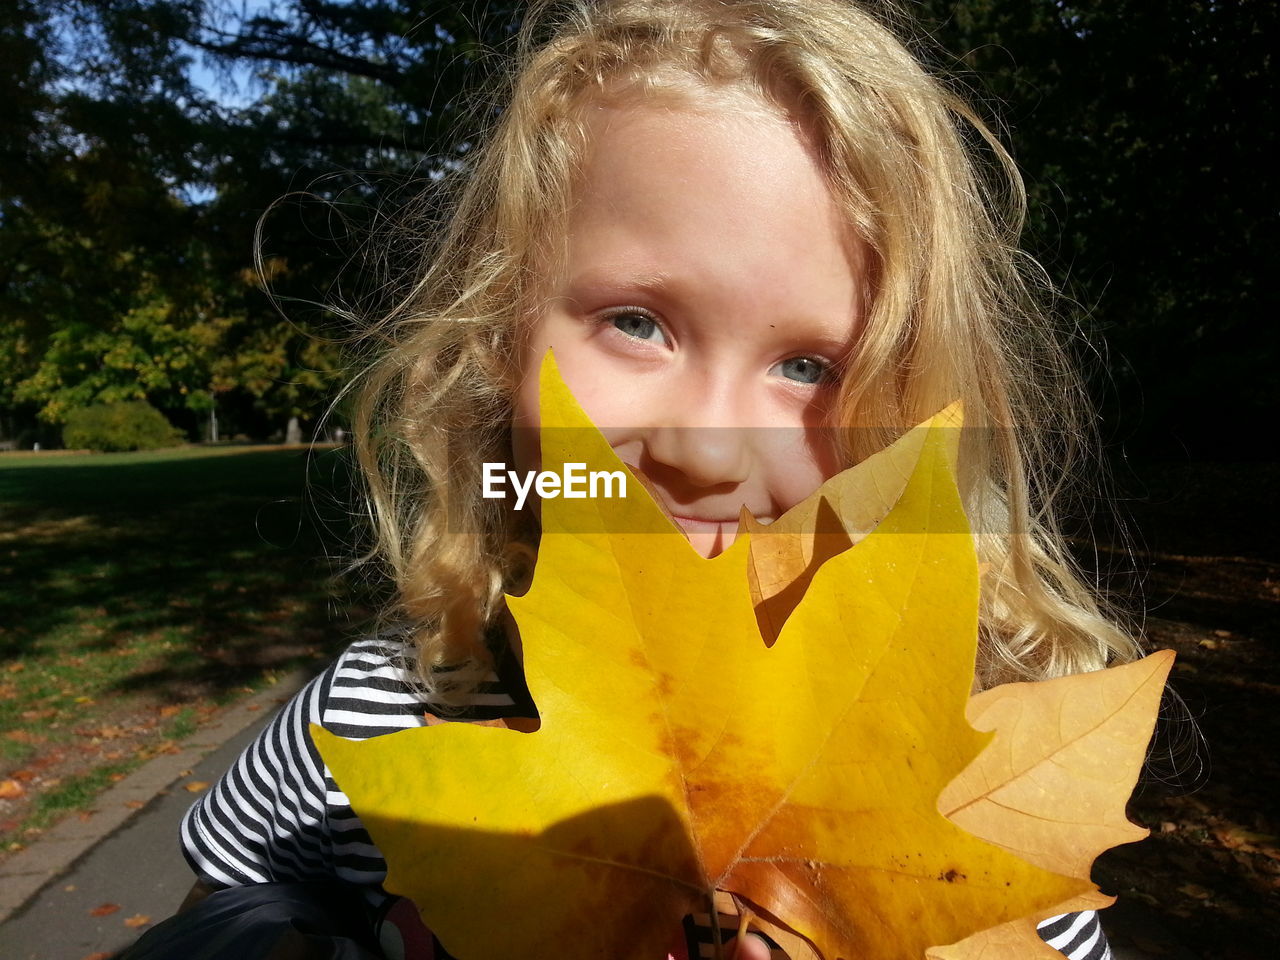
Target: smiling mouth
[(687, 523), (700, 523)]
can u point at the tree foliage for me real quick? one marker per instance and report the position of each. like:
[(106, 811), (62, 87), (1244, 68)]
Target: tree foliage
[(130, 192), (1140, 129), (111, 427)]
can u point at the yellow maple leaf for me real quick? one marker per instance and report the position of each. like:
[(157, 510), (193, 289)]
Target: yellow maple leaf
[(678, 755)]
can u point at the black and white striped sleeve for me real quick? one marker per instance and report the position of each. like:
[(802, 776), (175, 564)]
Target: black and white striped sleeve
[(371, 695), (265, 820), (1077, 936), (277, 813)]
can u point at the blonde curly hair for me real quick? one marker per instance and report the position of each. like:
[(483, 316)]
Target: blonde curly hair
[(953, 313)]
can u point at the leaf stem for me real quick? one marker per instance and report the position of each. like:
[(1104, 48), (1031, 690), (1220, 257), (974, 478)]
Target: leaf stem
[(716, 940), (744, 921)]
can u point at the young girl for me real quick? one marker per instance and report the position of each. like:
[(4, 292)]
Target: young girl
[(758, 239)]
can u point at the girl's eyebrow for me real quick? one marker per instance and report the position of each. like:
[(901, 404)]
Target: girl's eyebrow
[(654, 282), (664, 286)]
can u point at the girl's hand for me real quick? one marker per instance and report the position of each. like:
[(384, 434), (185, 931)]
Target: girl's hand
[(754, 940), (751, 947)]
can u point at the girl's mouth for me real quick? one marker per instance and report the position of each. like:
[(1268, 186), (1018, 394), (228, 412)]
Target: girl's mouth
[(700, 525), (728, 526), (690, 524)]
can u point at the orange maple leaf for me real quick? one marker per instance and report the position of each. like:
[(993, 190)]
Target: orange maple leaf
[(1052, 786)]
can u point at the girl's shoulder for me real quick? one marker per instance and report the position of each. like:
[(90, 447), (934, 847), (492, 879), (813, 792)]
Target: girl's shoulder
[(382, 661), (374, 688), (369, 690)]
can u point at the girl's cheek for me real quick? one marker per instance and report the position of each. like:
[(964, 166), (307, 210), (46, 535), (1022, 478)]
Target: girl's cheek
[(804, 460), (603, 385)]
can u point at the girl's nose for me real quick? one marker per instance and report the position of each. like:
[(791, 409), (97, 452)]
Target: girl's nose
[(706, 456)]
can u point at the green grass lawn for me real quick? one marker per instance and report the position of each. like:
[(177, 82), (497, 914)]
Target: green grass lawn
[(140, 591)]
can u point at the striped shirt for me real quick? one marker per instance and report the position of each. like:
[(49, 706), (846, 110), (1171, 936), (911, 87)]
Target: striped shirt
[(278, 815)]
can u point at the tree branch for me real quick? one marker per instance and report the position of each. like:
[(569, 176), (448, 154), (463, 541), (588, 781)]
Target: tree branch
[(300, 52)]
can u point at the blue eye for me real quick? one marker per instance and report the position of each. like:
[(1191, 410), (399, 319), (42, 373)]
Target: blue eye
[(803, 370), (639, 326)]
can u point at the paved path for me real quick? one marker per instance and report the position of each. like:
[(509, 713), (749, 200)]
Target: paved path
[(121, 855)]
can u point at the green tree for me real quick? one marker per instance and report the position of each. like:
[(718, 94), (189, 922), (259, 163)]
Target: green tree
[(127, 191), (1150, 168), (129, 198)]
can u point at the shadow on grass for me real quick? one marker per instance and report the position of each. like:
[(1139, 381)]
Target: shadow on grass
[(209, 568)]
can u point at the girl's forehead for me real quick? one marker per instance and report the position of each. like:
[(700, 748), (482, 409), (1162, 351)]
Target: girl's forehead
[(722, 207), (729, 159), (734, 132)]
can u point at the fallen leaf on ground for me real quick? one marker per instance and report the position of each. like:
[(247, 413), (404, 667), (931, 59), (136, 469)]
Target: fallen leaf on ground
[(104, 909), (11, 790), (1238, 838), (137, 920), (195, 786), (100, 955)]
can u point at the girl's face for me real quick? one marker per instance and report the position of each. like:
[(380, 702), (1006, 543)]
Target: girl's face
[(710, 291)]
